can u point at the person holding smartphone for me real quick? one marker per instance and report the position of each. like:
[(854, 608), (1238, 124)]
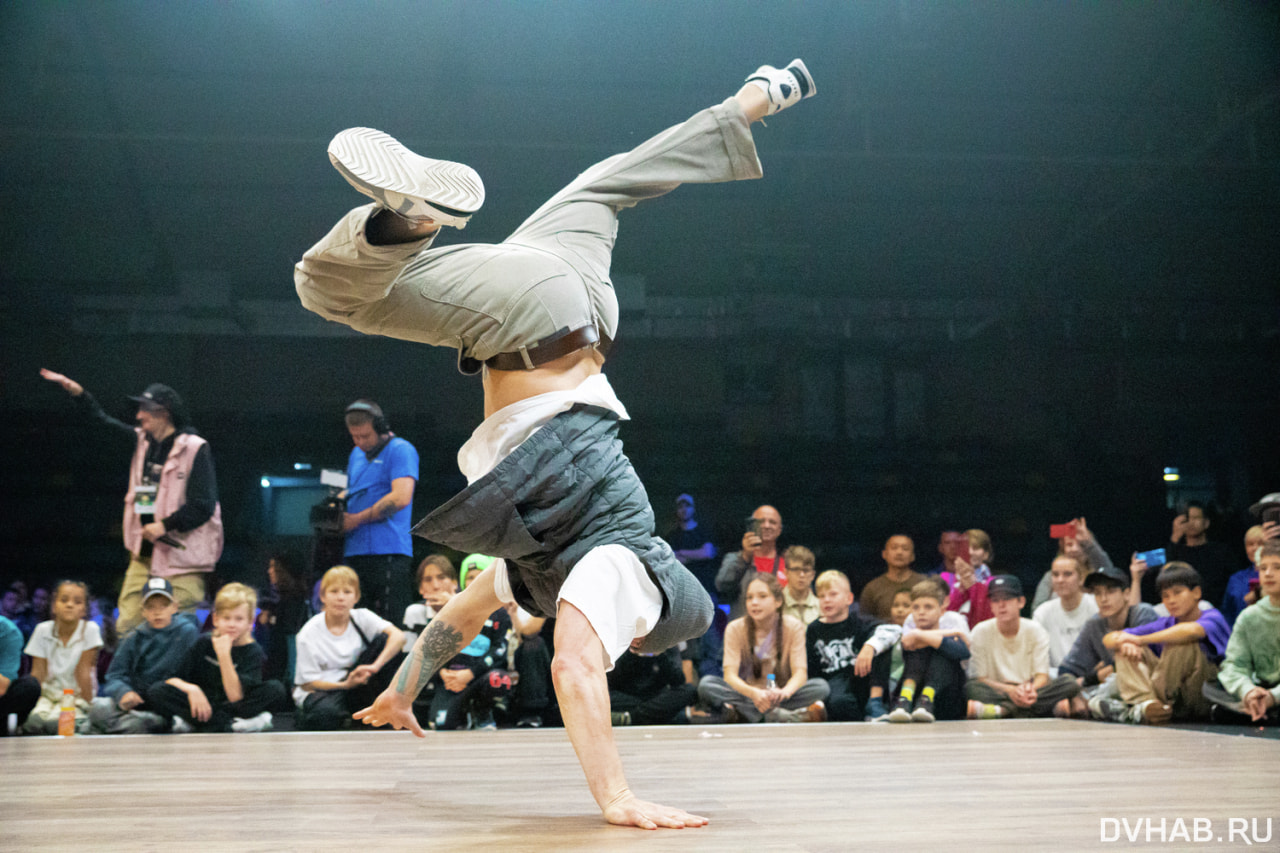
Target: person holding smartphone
[(759, 551)]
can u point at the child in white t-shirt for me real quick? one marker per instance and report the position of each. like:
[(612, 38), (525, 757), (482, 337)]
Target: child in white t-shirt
[(342, 653), (64, 654)]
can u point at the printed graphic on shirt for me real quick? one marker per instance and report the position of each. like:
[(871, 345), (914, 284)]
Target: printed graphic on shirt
[(836, 654)]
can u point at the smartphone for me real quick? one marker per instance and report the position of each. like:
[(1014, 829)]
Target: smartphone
[(753, 526), (1062, 531), (962, 549), (1255, 587), (1153, 558)]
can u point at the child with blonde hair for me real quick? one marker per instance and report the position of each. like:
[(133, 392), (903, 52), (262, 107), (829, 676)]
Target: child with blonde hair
[(64, 655), (219, 687)]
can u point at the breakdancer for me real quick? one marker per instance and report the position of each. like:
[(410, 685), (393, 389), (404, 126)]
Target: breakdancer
[(550, 491)]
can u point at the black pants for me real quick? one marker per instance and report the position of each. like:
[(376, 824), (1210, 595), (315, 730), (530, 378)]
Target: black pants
[(448, 710), (533, 694), (329, 710), (849, 693), (20, 698), (657, 708), (928, 668), (386, 583), (168, 701)]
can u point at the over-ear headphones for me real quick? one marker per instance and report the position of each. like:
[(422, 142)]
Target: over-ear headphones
[(380, 424)]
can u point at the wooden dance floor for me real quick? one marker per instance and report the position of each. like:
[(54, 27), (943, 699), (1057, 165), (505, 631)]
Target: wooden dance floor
[(1000, 785)]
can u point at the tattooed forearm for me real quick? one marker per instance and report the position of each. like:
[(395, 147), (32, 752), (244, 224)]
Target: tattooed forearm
[(436, 647)]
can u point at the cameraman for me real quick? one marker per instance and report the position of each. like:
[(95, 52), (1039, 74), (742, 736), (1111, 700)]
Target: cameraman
[(381, 474)]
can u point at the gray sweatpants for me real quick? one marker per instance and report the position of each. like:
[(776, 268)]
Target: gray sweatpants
[(550, 275)]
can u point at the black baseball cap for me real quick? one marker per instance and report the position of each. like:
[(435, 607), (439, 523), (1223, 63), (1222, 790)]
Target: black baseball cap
[(1107, 575), (164, 397), (1004, 586), (1272, 499)]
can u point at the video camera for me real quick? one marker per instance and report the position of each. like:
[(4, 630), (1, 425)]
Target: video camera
[(327, 516)]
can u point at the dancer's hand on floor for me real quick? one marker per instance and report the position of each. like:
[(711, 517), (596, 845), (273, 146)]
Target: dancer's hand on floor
[(390, 708), (629, 811)]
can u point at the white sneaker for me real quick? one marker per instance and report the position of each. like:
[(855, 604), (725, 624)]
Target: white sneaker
[(784, 86), (417, 188), (260, 723), (181, 727)]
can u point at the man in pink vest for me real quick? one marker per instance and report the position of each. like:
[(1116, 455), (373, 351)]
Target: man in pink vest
[(172, 518)]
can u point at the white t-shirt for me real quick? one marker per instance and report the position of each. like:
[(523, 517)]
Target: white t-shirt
[(324, 656), (62, 657), (1012, 660), (1063, 626), (615, 592)]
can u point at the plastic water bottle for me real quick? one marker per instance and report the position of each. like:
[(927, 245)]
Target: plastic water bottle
[(770, 681), (67, 717)]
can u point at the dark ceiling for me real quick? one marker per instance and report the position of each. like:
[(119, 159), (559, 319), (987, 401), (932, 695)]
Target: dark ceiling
[(1082, 151)]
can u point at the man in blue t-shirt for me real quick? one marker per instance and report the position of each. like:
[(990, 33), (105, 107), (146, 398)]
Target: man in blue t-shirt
[(381, 474)]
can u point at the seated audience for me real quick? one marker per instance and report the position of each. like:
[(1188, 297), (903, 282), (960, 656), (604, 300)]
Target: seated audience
[(1090, 662), (343, 655), (766, 672), (155, 651), (18, 693), (219, 687), (1189, 543), (969, 586), (1162, 666), (282, 615), (877, 596), (900, 615), (850, 653), (933, 678), (1242, 587), (437, 582), (692, 544), (64, 653), (647, 690), (1009, 669), (798, 600), (1064, 615), (533, 699), (15, 607), (467, 688), (1249, 679), (758, 554), (948, 548)]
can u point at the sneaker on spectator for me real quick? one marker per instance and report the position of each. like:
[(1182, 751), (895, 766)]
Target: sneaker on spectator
[(983, 711), (620, 718), (260, 723), (901, 712), (1107, 709), (876, 712), (180, 726), (485, 722), (1151, 713), (529, 721), (923, 712), (815, 713)]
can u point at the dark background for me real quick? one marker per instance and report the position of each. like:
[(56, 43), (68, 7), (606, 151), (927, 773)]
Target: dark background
[(1013, 261)]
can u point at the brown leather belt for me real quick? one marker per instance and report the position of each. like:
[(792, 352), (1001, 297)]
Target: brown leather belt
[(548, 349)]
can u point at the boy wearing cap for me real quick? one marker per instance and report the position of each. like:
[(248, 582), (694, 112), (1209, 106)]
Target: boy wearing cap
[(154, 652), (1009, 664), (1162, 666), (172, 518), (1090, 662)]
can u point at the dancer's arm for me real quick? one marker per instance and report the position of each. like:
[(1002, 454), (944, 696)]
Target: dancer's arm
[(448, 633)]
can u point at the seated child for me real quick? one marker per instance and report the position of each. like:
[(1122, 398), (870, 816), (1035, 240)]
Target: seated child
[(64, 652), (933, 678), (1090, 662), (466, 689), (970, 584), (650, 690), (1009, 666), (156, 650), (758, 645), (437, 583), (1249, 680), (219, 687), (851, 653), (1064, 615), (899, 613), (18, 693), (343, 652), (1162, 666), (798, 600)]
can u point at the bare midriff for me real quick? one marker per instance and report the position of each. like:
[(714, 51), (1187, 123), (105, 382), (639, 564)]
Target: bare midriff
[(504, 387)]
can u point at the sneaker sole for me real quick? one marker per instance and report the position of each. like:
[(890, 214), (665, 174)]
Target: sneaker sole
[(378, 166), (920, 715), (899, 715)]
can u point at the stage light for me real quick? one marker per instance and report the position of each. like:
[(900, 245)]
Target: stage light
[(1171, 475), (302, 466), (266, 482)]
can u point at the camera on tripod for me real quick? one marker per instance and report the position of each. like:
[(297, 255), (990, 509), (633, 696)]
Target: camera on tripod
[(327, 515)]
